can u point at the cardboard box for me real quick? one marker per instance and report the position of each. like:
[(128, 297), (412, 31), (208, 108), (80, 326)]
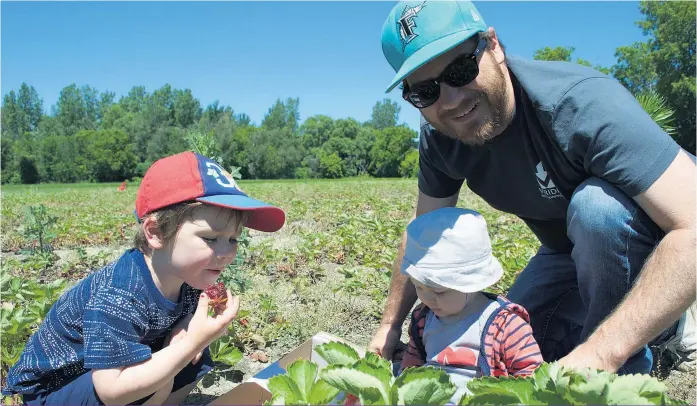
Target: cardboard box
[(254, 391)]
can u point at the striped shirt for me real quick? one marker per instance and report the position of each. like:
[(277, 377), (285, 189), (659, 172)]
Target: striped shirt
[(508, 344)]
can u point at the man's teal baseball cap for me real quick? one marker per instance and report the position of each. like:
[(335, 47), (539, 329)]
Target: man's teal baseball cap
[(416, 32)]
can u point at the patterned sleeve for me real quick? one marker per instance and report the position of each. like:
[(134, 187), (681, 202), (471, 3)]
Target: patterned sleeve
[(115, 320), (521, 352), (412, 357)]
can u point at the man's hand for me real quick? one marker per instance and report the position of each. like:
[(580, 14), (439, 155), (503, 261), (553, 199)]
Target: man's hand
[(586, 356), (385, 341), (179, 332)]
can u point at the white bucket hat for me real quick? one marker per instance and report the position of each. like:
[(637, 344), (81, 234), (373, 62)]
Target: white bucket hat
[(450, 248)]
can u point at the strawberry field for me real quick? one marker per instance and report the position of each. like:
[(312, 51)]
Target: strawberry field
[(327, 269)]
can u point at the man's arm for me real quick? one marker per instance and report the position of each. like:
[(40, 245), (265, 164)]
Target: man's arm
[(665, 287), (402, 294)]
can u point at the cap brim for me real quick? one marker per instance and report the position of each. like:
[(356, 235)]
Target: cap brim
[(264, 217), (428, 53)]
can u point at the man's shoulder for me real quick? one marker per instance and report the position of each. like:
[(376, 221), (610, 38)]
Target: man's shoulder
[(546, 82)]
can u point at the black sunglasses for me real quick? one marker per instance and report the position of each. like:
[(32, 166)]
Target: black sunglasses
[(458, 73)]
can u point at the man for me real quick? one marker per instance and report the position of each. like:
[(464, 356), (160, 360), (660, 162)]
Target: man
[(610, 196)]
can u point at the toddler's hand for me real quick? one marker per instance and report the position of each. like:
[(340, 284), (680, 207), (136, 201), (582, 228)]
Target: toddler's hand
[(204, 329)]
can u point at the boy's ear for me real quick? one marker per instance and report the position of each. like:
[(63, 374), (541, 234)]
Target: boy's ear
[(152, 233)]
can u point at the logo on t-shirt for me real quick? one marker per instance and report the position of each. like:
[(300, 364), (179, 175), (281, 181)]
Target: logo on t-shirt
[(547, 187)]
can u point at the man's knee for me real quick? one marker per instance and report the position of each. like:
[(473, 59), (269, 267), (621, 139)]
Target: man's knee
[(598, 212)]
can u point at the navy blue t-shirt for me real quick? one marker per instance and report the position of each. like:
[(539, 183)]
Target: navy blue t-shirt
[(107, 320), (571, 123)]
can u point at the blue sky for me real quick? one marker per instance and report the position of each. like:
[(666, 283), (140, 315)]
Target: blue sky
[(248, 54)]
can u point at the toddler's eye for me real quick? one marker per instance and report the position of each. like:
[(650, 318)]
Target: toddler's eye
[(233, 240), (210, 240)]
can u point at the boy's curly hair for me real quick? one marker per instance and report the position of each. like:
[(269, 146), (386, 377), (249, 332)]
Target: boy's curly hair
[(171, 217)]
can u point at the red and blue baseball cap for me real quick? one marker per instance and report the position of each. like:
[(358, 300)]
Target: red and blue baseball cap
[(189, 176)]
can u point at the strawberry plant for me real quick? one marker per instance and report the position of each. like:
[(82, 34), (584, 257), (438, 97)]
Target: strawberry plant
[(370, 380), (553, 384), (38, 227), (223, 350), (300, 386)]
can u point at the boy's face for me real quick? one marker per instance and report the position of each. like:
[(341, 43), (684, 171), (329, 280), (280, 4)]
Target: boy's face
[(442, 301), (204, 245)]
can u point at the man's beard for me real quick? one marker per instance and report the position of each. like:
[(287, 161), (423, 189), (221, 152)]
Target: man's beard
[(496, 99)]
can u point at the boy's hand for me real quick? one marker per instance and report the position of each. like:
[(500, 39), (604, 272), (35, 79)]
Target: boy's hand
[(179, 332), (204, 329)]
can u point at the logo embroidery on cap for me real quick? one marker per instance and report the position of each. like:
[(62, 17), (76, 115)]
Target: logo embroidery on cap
[(406, 24), (220, 175), (475, 16)]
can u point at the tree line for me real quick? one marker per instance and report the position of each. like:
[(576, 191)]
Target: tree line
[(90, 136)]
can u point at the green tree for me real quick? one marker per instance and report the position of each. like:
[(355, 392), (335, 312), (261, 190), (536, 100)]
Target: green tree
[(390, 148), (283, 115), (316, 130), (409, 167), (110, 156), (332, 166), (77, 109), (31, 106), (11, 116), (563, 54), (554, 54), (671, 30), (385, 114), (635, 68), (187, 109)]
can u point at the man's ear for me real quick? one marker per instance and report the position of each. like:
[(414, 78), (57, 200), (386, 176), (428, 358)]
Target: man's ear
[(496, 46), (152, 233)]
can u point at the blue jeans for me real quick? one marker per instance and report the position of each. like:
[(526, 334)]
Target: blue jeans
[(569, 295)]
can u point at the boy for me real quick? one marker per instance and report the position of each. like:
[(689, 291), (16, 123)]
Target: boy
[(126, 334), (456, 327)]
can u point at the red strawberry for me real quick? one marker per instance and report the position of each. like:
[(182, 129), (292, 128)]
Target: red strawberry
[(217, 295)]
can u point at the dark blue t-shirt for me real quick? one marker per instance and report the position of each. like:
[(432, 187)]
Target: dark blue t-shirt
[(571, 123), (107, 320)]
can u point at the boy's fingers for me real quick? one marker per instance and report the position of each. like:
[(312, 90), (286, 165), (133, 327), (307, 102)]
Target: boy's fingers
[(203, 300), (233, 306)]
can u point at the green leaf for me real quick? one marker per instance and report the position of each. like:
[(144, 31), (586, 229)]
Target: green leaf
[(378, 361), (367, 387), (322, 393), (303, 372), (336, 353), (636, 389), (423, 386), (275, 400), (284, 387), (594, 391), (231, 357), (542, 376), (521, 388), (547, 397), (491, 398)]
